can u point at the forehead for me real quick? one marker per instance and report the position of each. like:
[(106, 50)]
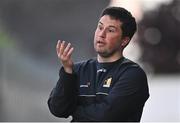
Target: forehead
[(109, 21)]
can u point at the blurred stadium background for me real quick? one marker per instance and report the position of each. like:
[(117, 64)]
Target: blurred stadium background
[(29, 30)]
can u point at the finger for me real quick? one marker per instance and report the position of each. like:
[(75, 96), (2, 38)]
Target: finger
[(70, 52), (57, 46), (66, 49), (61, 48)]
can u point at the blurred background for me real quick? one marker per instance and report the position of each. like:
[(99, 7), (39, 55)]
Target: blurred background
[(29, 30)]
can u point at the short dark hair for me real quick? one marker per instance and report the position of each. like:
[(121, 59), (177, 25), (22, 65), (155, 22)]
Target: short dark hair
[(129, 26)]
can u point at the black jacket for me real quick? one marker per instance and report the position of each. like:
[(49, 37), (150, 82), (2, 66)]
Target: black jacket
[(95, 91)]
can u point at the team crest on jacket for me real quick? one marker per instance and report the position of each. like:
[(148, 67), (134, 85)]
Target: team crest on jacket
[(107, 82)]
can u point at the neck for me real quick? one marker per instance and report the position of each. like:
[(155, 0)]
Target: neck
[(113, 58)]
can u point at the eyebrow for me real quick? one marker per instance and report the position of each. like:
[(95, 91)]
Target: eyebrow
[(109, 26)]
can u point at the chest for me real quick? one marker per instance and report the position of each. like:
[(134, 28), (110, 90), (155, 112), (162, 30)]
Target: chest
[(96, 83)]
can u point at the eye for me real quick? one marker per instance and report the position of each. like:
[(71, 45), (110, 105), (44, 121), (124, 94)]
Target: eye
[(100, 27), (111, 30)]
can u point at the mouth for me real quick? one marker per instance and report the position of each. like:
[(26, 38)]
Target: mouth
[(100, 43)]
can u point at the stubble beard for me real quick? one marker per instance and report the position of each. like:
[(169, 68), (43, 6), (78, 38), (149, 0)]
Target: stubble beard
[(106, 53)]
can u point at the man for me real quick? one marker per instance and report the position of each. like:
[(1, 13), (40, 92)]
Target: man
[(107, 88)]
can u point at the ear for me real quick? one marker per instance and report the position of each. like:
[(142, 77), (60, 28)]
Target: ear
[(125, 41)]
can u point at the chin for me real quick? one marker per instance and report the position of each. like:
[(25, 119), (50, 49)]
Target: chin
[(104, 54)]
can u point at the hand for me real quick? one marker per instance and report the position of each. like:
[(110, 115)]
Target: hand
[(64, 54)]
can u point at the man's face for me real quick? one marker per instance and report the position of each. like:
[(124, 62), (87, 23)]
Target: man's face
[(108, 36)]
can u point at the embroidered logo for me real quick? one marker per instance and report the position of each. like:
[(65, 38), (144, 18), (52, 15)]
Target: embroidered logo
[(101, 70), (107, 82)]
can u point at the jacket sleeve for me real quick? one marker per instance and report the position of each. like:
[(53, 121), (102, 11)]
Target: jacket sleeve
[(126, 97), (63, 98)]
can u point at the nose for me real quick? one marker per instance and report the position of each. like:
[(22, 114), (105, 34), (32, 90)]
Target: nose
[(102, 33)]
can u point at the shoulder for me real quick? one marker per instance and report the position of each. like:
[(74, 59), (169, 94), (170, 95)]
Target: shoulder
[(132, 67), (132, 78), (132, 72), (85, 64)]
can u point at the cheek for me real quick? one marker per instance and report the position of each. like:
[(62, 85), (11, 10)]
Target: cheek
[(95, 35), (114, 42)]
